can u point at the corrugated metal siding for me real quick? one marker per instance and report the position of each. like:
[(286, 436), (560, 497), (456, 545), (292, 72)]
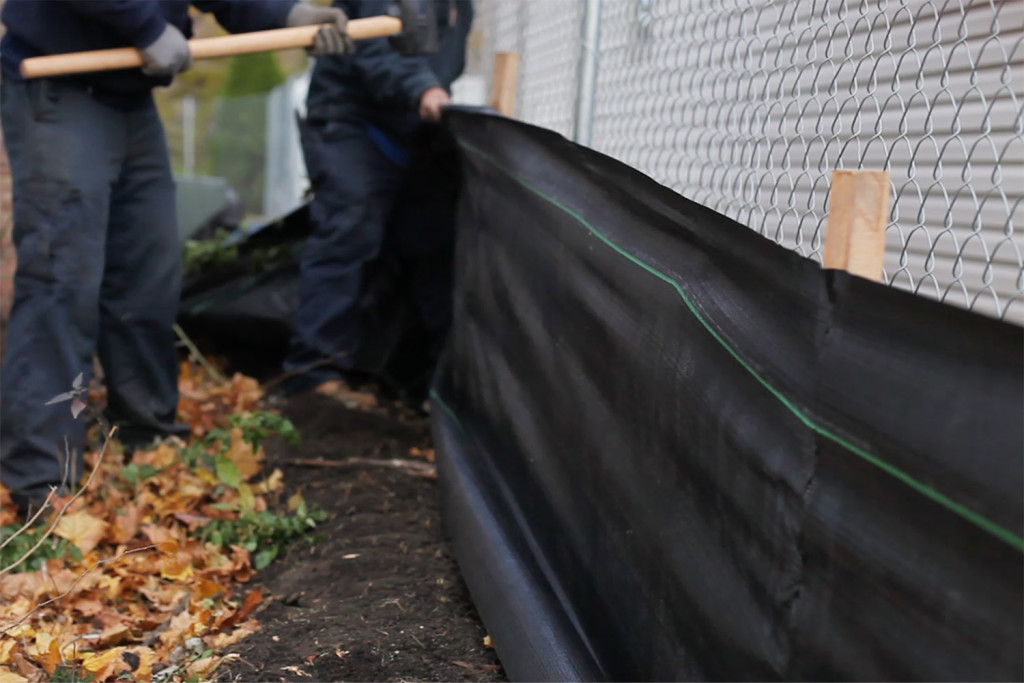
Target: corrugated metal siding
[(748, 105)]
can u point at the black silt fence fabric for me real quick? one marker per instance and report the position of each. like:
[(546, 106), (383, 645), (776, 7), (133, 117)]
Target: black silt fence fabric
[(671, 449)]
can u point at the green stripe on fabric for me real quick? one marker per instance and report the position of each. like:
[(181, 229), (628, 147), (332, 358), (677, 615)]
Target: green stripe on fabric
[(975, 518)]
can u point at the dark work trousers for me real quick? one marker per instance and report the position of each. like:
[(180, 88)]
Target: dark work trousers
[(98, 270), (362, 196)]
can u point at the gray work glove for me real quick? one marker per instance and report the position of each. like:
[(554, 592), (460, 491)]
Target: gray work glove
[(332, 38), (168, 54)]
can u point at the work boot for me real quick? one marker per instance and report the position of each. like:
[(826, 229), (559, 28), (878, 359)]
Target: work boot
[(28, 503), (137, 439)]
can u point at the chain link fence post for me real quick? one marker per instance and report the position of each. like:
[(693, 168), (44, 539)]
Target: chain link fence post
[(590, 56)]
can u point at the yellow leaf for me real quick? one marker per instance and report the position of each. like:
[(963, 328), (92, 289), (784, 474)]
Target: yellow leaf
[(275, 482), (167, 547), (22, 631), (81, 529), (112, 584), (6, 645), (47, 652), (97, 661), (8, 676), (177, 567), (207, 589), (295, 500), (144, 670), (105, 664), (241, 453), (246, 499), (207, 476)]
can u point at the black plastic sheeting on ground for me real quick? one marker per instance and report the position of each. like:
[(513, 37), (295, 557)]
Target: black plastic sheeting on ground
[(671, 449), (240, 299)]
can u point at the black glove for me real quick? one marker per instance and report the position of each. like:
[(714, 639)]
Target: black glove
[(332, 38), (168, 54)]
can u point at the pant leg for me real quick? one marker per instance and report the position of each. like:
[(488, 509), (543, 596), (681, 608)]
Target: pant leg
[(141, 287), (65, 150), (354, 188), (424, 237)]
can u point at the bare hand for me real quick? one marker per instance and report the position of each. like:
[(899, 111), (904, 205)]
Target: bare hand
[(431, 104)]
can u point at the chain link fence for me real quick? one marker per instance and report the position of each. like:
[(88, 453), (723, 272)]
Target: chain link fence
[(241, 154), (747, 106)]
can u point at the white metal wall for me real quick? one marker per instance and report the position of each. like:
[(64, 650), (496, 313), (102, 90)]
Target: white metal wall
[(546, 34), (747, 106)]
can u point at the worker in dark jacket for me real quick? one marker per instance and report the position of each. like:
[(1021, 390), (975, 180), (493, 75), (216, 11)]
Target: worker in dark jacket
[(98, 254), (370, 117)]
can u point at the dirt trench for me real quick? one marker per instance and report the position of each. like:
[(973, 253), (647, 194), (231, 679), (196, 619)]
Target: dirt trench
[(380, 597)]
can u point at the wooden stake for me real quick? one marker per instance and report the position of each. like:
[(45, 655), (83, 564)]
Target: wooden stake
[(858, 214), (505, 82)]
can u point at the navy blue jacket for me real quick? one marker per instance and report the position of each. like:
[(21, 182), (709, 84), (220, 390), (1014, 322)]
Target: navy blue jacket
[(43, 27), (379, 86)]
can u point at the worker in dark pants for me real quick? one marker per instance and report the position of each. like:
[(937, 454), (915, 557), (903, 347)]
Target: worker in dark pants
[(371, 117), (98, 254)]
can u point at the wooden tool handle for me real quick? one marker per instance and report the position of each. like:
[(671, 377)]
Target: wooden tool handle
[(204, 48)]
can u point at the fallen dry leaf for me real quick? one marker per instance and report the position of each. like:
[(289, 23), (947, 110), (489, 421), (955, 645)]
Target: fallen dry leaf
[(6, 645), (126, 524), (8, 676), (217, 641), (297, 671), (46, 652), (82, 529), (202, 668), (163, 455), (425, 453), (178, 629), (252, 600), (205, 588), (24, 584), (115, 634), (272, 484), (87, 607), (143, 666), (177, 567), (26, 668), (106, 664), (189, 518), (146, 580), (241, 453), (295, 500)]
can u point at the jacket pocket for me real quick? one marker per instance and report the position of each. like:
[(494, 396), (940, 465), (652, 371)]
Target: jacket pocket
[(43, 214)]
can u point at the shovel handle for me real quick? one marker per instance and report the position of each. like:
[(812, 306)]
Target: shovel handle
[(204, 48)]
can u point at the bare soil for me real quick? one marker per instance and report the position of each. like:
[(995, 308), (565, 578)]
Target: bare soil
[(380, 598)]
